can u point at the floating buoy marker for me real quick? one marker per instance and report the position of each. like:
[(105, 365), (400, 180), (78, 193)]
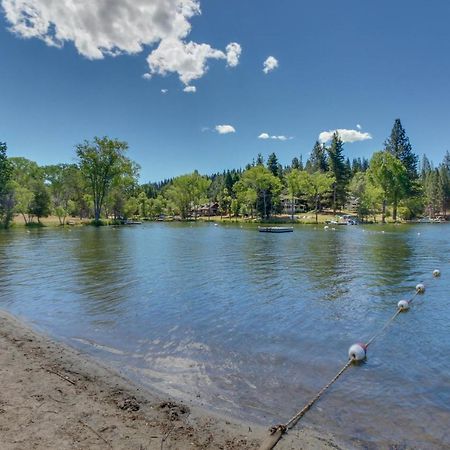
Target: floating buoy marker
[(403, 305), (420, 288), (436, 273), (357, 352)]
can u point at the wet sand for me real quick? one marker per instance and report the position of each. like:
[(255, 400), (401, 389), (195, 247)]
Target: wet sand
[(54, 397)]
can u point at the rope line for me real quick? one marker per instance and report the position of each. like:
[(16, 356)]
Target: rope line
[(277, 432)]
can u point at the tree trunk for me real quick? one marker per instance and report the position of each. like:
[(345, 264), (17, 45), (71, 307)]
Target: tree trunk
[(334, 198), (292, 209), (394, 209), (383, 212), (317, 209)]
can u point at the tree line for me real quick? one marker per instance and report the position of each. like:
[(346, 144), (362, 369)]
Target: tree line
[(103, 184)]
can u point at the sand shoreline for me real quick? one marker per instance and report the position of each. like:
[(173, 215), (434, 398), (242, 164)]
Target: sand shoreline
[(54, 397)]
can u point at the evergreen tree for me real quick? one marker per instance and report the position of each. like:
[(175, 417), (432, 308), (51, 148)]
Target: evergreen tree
[(273, 164), (259, 160), (398, 145), (318, 159), (338, 168), (295, 163), (425, 167)]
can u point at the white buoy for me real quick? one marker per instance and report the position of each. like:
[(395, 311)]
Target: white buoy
[(436, 273), (326, 227), (403, 305), (383, 231), (357, 352), (420, 288)]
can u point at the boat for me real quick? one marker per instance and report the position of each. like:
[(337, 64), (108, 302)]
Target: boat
[(275, 229), (132, 222)]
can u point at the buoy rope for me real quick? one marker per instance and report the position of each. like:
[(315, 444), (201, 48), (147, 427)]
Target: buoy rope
[(294, 419), (399, 310), (279, 430)]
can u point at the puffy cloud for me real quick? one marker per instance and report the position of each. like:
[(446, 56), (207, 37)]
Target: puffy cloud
[(358, 126), (225, 129), (234, 51), (270, 64), (345, 135), (191, 89), (164, 91), (111, 27), (276, 138)]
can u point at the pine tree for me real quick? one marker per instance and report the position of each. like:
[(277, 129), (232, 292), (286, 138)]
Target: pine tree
[(273, 165), (398, 145), (318, 159), (295, 163), (338, 168)]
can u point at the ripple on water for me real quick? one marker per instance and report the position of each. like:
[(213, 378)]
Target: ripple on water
[(254, 323)]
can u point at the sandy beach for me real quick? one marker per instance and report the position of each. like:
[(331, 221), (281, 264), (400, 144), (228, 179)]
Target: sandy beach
[(54, 397)]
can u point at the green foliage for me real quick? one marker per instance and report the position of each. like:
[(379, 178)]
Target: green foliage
[(187, 192), (318, 160), (399, 146), (264, 184), (40, 204), (102, 162), (390, 175), (6, 192)]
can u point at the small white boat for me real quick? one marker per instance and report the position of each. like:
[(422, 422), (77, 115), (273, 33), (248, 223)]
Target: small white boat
[(275, 229)]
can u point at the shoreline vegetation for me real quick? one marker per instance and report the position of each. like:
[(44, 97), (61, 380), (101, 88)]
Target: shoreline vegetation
[(56, 397), (103, 186)]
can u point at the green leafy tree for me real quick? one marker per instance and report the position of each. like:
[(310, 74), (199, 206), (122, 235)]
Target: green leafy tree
[(62, 182), (187, 192), (265, 185), (293, 183), (40, 204), (315, 186), (390, 175), (101, 162), (6, 191)]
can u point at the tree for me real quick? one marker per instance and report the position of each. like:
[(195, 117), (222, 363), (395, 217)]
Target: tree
[(6, 192), (318, 160), (369, 197), (315, 185), (293, 183), (273, 165), (40, 204), (391, 176), (264, 184), (339, 170), (62, 181), (101, 162), (399, 146), (187, 192)]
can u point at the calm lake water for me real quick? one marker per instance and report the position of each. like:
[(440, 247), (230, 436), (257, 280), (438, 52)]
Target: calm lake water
[(253, 324)]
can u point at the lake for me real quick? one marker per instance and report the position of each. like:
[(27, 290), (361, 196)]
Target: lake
[(253, 324)]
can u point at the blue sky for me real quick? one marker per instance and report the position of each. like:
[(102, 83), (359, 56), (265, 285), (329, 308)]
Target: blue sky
[(341, 64)]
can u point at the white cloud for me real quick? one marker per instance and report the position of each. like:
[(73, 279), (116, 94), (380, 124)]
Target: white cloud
[(234, 51), (112, 27), (276, 138), (345, 135), (225, 129), (191, 89), (358, 126), (147, 76), (164, 91), (270, 64)]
